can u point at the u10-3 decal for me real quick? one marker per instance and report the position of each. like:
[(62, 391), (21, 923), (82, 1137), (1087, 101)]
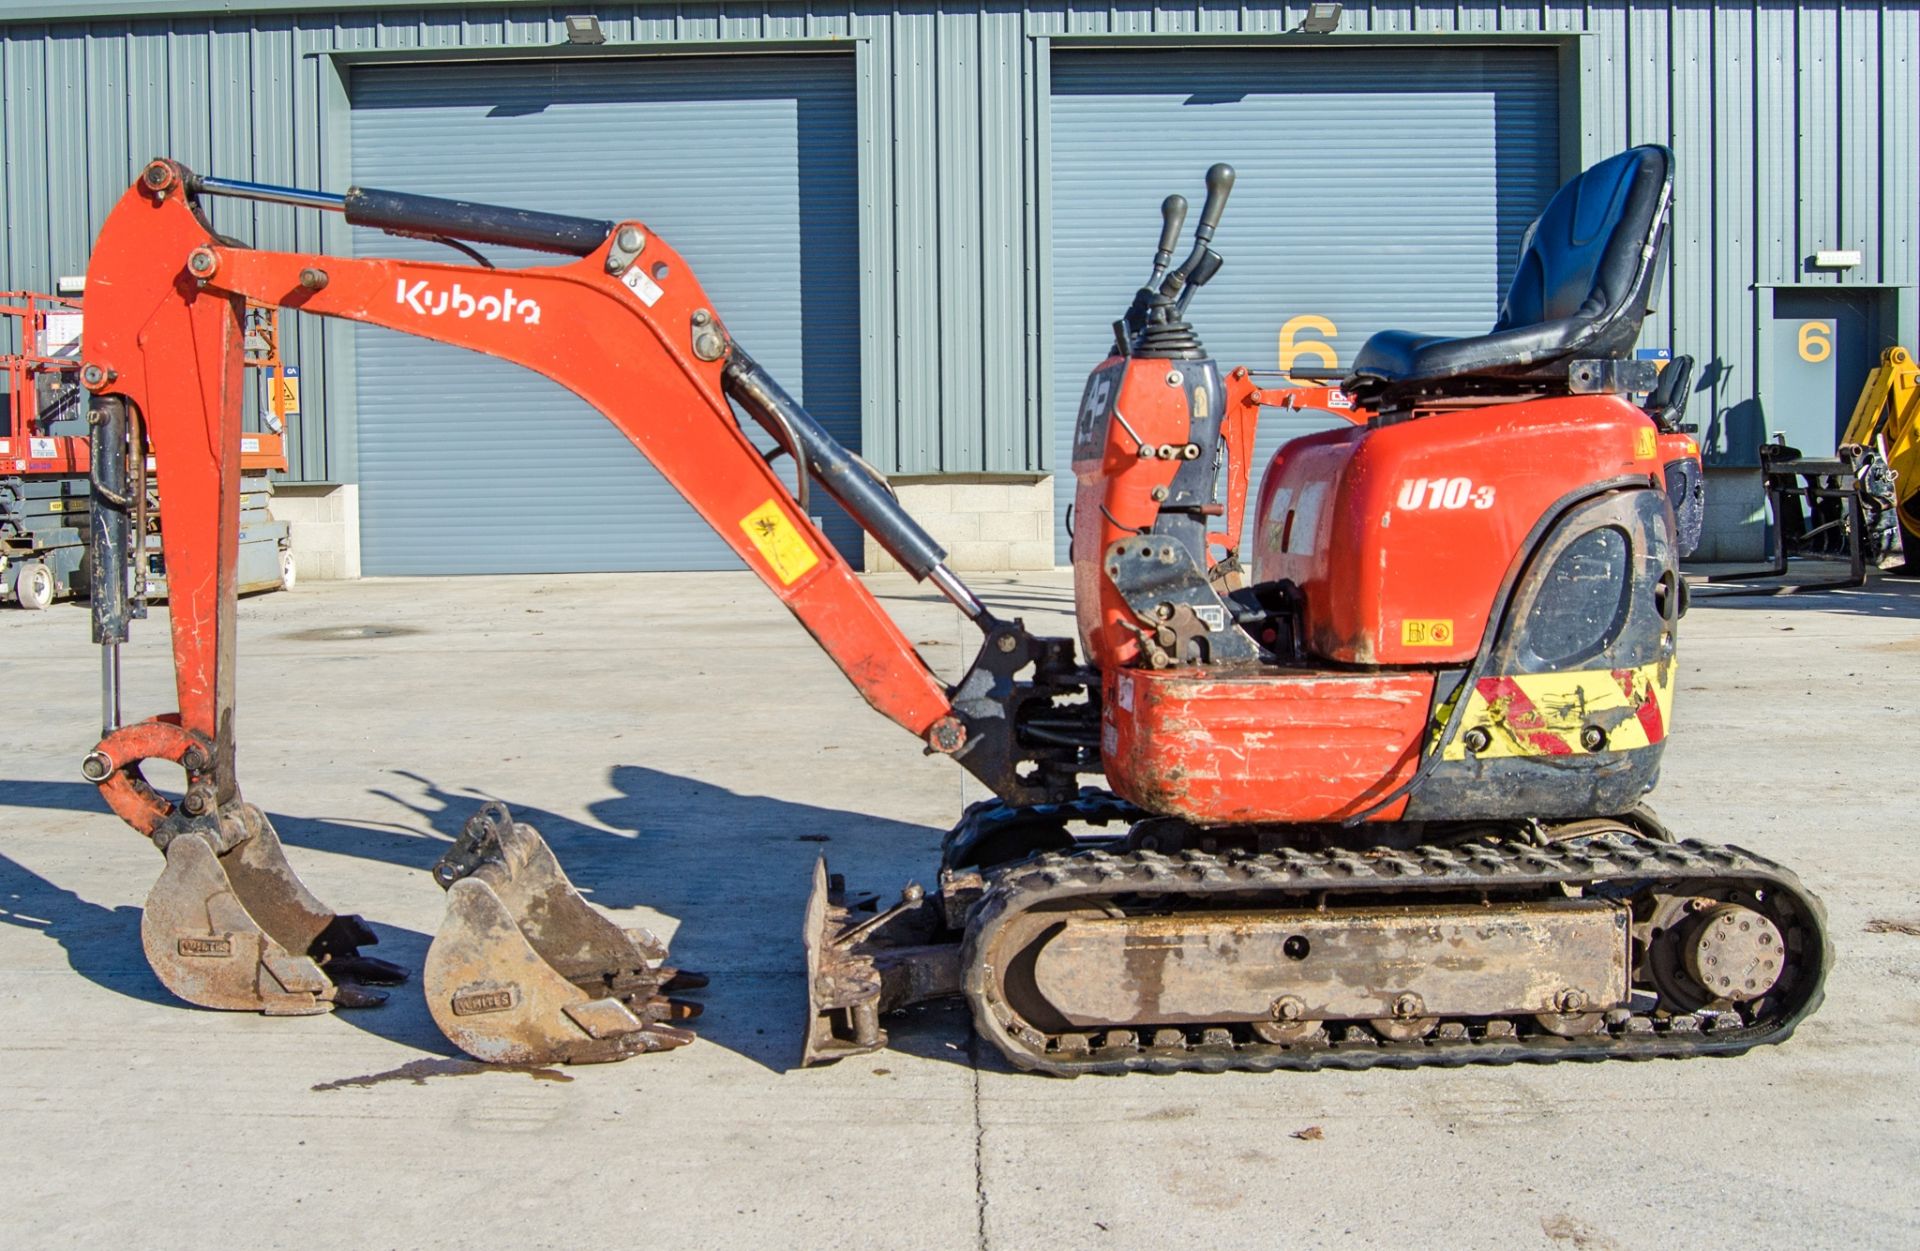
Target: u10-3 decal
[(1443, 493)]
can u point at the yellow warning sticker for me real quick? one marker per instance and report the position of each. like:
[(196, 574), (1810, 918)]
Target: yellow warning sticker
[(1418, 632), (780, 542), (1645, 444)]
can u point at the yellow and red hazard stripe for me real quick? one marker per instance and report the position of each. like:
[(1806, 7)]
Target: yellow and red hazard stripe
[(1549, 714)]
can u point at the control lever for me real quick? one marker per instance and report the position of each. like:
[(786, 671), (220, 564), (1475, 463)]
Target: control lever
[(1219, 186), (1173, 215)]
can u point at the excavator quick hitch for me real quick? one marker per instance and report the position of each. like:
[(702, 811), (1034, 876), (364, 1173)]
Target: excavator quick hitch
[(525, 971)]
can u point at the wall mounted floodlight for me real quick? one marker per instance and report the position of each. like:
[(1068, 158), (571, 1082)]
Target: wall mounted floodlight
[(1321, 19), (584, 28)]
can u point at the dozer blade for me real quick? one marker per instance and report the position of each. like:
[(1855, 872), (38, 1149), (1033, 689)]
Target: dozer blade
[(525, 971), (864, 962), (230, 925), (843, 994)]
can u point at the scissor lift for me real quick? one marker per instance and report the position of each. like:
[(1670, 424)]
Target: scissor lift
[(45, 470)]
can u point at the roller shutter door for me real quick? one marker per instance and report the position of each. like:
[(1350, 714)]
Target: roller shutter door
[(744, 163), (1377, 188)]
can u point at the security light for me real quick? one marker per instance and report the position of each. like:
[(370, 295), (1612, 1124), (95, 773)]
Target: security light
[(585, 28), (1321, 19)]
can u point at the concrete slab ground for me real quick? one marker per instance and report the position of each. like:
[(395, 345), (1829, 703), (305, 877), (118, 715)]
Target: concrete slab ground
[(681, 744)]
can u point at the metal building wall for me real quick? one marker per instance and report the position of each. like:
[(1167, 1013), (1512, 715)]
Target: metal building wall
[(1796, 127)]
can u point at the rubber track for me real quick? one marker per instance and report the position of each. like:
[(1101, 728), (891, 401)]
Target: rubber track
[(1617, 859)]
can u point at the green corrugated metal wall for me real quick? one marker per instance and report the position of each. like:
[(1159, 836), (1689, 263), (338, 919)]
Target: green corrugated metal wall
[(1796, 127)]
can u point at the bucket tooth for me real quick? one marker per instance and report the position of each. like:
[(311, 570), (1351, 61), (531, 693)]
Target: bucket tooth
[(525, 971), (230, 925)]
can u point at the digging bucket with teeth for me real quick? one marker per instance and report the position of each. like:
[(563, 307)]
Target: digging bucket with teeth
[(229, 924), (525, 971)]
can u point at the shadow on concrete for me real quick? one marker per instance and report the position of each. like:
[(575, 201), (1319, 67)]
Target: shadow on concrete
[(102, 944), (733, 869), (1889, 597)]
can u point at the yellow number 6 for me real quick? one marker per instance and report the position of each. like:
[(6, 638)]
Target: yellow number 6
[(1816, 341), (1292, 349)]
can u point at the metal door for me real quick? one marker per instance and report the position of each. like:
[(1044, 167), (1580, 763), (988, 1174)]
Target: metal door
[(745, 164)]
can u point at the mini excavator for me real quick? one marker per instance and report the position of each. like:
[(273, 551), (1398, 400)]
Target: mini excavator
[(1374, 789)]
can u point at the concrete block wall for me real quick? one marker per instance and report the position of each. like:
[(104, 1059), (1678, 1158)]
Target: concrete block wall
[(988, 524), (323, 528)]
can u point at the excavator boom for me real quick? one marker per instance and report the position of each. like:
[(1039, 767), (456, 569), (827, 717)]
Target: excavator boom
[(626, 326)]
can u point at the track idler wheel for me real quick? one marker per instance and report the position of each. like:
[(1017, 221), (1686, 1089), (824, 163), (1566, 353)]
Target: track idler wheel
[(525, 971), (229, 924)]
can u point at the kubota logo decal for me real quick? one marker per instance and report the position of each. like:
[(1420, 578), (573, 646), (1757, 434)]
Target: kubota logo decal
[(424, 299)]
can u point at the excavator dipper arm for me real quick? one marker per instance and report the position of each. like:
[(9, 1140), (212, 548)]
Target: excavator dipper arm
[(627, 327)]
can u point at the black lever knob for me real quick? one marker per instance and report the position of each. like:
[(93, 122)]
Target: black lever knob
[(1173, 215), (1219, 186)]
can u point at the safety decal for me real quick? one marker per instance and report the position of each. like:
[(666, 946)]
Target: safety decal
[(780, 542), (1646, 444), (647, 289), (1566, 714), (1431, 632)]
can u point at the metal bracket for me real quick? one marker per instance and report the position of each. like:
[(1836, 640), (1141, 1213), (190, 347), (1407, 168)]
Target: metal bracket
[(1180, 611), (709, 339), (625, 248), (1612, 377)]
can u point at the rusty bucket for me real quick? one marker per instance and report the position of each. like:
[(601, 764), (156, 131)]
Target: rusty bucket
[(525, 971), (230, 925)]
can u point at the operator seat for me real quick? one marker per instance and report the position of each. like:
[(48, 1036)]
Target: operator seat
[(1587, 274)]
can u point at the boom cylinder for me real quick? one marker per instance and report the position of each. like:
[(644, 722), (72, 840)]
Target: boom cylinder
[(402, 212)]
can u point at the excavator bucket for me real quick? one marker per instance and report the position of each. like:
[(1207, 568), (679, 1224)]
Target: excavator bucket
[(525, 971), (230, 925)]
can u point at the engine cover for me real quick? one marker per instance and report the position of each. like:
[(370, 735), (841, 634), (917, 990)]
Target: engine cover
[(1400, 536)]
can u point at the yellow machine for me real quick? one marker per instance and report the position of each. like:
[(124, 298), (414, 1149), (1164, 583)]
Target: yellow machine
[(1886, 424)]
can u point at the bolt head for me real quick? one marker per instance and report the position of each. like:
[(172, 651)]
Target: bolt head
[(93, 376), (1159, 493), (947, 735), (313, 278), (1289, 1008), (97, 767), (1006, 642), (202, 263), (1477, 739), (701, 317), (628, 239), (1408, 1005), (1173, 377)]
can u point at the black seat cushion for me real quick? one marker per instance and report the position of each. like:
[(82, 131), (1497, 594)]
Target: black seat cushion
[(1585, 280)]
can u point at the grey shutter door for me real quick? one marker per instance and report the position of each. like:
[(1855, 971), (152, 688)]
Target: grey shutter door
[(1377, 189), (744, 163)]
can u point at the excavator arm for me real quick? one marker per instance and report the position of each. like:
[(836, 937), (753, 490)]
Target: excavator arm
[(626, 326)]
